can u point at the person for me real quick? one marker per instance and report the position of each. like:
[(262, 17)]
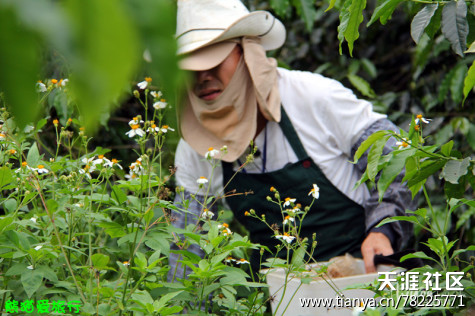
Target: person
[(306, 128)]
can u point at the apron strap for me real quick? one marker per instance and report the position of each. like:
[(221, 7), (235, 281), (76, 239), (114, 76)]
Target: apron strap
[(291, 135)]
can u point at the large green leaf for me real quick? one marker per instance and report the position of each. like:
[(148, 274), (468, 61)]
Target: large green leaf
[(31, 280), (344, 19), (367, 143), (354, 21), (455, 25), (422, 20), (469, 81), (104, 58), (384, 11), (373, 157), (392, 170), (6, 176), (454, 169), (19, 65)]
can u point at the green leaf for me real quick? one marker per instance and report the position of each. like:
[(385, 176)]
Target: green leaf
[(455, 25), (392, 170), (344, 19), (114, 229), (471, 49), (427, 169), (354, 21), (446, 148), (118, 195), (469, 81), (19, 64), (418, 254), (6, 176), (10, 205), (5, 222), (31, 281), (100, 261), (393, 219), (165, 299), (367, 143), (422, 20), (384, 11), (104, 56), (373, 157), (457, 83), (33, 156), (454, 169), (362, 85), (330, 5)]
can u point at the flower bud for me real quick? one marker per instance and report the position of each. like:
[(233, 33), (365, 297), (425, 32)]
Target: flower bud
[(136, 94)]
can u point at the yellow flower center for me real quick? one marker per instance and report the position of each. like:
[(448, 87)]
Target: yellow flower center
[(101, 156), (55, 122), (286, 234), (242, 260), (114, 160), (12, 151), (162, 100), (287, 217), (154, 126), (24, 164), (419, 116), (82, 129), (165, 126), (404, 144), (138, 162), (225, 225), (203, 178), (135, 126), (210, 149), (148, 79), (2, 135), (272, 189), (41, 167), (54, 81), (246, 213), (70, 120)]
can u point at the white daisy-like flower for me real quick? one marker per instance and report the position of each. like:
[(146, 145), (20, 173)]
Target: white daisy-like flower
[(41, 87), (126, 263), (315, 192), (135, 120), (211, 153), (112, 163), (404, 143), (229, 259), (420, 118), (41, 169), (24, 166), (225, 229), (202, 180), (136, 167), (30, 267), (166, 128), (101, 160), (160, 104), (156, 94), (144, 84), (131, 176), (33, 219), (288, 219), (136, 130), (289, 201), (63, 82), (3, 136), (38, 247), (207, 214), (87, 161), (242, 261), (153, 128), (286, 237)]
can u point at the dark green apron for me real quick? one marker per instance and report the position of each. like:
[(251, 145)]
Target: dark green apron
[(339, 222)]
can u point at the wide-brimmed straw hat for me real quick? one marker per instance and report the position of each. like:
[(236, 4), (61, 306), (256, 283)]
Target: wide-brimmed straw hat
[(201, 23)]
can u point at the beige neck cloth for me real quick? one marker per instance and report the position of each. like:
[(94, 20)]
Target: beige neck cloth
[(231, 119)]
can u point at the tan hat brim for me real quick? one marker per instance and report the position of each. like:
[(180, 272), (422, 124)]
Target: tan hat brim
[(207, 57)]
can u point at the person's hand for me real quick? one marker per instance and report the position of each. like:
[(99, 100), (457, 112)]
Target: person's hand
[(375, 244)]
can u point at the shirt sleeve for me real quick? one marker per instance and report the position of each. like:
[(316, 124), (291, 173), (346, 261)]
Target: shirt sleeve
[(396, 199)]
